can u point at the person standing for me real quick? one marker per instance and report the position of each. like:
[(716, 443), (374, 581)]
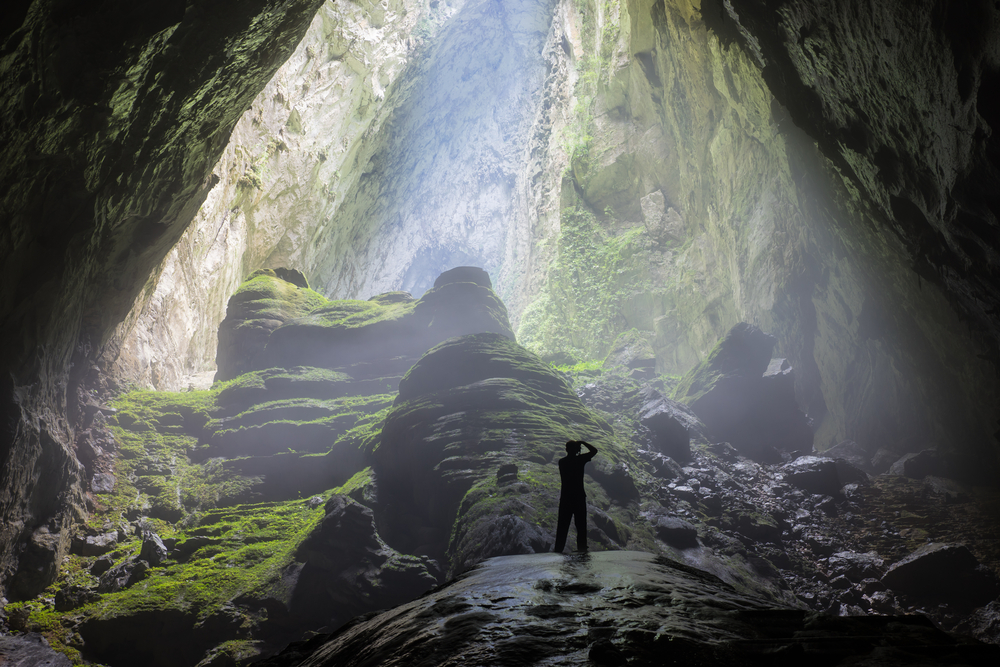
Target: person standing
[(572, 498)]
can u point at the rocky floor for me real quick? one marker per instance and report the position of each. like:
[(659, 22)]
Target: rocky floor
[(820, 536), (615, 608)]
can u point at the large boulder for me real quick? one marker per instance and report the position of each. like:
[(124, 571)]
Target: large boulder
[(939, 572), (671, 424), (745, 399), (385, 336), (821, 475), (918, 465)]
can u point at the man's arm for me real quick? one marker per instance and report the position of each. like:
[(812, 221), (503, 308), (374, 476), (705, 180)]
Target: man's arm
[(591, 450)]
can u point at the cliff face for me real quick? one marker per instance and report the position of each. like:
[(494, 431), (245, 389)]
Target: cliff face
[(289, 161), (695, 198)]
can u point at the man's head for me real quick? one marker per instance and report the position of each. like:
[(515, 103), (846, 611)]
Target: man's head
[(572, 447)]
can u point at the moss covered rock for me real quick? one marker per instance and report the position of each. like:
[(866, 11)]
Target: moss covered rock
[(264, 302), (385, 336), (468, 410)]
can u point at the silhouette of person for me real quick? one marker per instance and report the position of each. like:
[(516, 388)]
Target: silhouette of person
[(572, 499)]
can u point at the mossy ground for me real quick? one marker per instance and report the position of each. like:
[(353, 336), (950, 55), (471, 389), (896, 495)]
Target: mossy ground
[(164, 481)]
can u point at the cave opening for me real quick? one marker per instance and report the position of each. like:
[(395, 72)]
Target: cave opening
[(353, 281)]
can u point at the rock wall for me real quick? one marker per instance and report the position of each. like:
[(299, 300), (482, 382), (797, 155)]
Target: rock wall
[(288, 164), (114, 114), (693, 201)]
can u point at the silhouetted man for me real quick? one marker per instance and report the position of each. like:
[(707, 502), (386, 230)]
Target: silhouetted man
[(572, 499)]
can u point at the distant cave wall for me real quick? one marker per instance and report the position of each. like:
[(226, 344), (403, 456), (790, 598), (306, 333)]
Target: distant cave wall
[(289, 161), (736, 207), (114, 115), (901, 98), (442, 182)]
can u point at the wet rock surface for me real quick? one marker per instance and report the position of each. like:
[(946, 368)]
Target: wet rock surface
[(619, 608)]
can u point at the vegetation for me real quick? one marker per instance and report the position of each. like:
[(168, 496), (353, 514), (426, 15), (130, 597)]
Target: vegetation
[(579, 314)]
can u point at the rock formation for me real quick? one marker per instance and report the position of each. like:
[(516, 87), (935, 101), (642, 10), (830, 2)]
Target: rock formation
[(670, 167)]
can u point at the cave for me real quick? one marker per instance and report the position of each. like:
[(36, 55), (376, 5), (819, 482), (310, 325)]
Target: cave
[(303, 298)]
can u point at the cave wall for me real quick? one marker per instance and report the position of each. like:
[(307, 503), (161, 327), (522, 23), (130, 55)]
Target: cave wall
[(114, 114), (732, 210), (289, 161)]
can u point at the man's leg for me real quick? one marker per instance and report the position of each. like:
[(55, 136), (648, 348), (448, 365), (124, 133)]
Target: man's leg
[(562, 528), (581, 525)]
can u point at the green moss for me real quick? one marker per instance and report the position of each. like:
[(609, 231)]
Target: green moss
[(579, 314)]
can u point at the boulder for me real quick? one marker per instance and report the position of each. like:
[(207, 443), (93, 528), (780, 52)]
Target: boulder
[(675, 532), (94, 545), (821, 475), (851, 452), (71, 597), (103, 482), (943, 572), (127, 573), (746, 400), (153, 551), (384, 337), (264, 302), (465, 274), (855, 566), (671, 424), (30, 649), (918, 465)]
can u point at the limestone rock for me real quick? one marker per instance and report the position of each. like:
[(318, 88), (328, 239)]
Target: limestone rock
[(465, 274), (103, 482), (471, 403), (349, 569), (943, 571), (918, 465), (853, 453), (263, 303), (127, 573), (821, 475), (39, 563), (356, 336), (745, 400), (30, 649), (676, 532), (95, 545), (672, 424), (513, 610)]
